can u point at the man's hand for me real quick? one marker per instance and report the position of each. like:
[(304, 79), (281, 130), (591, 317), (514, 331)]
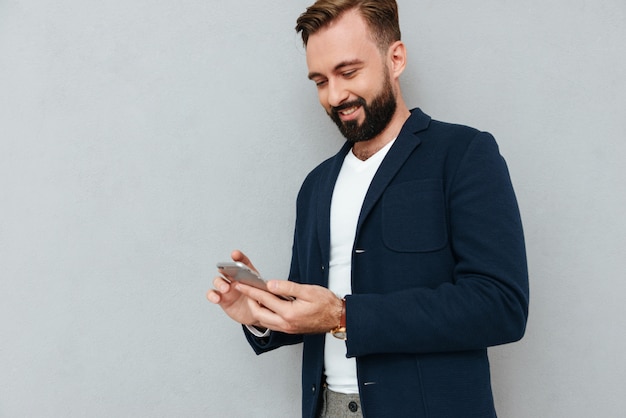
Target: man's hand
[(235, 304), (314, 310)]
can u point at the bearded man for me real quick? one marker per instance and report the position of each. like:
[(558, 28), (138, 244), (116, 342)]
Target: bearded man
[(408, 256)]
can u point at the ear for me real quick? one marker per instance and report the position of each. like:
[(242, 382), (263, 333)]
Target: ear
[(397, 59)]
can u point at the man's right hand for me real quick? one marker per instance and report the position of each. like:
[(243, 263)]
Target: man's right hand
[(235, 304), (312, 309)]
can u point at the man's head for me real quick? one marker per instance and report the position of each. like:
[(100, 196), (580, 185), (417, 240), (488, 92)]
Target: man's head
[(355, 57)]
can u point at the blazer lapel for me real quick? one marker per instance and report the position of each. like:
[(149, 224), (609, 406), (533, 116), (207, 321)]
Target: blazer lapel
[(325, 189), (406, 142)]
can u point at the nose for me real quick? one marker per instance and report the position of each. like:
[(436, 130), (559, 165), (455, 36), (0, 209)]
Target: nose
[(337, 93)]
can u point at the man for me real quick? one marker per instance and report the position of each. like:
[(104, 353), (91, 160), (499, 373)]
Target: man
[(408, 243)]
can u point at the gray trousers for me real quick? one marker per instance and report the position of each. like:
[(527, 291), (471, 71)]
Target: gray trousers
[(339, 405)]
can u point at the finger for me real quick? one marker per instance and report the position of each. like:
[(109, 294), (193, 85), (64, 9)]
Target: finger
[(237, 255), (213, 297), (266, 299), (287, 288), (221, 283), (266, 316)]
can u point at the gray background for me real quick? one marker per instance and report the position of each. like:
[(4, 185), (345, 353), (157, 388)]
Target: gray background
[(142, 140)]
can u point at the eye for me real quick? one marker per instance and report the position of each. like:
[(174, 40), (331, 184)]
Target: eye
[(349, 74), (320, 83)]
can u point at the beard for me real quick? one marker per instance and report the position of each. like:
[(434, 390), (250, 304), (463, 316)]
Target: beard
[(378, 114)]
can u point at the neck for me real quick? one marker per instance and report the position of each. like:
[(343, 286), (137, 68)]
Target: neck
[(364, 150)]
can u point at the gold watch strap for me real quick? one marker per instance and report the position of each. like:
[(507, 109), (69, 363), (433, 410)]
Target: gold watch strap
[(340, 330)]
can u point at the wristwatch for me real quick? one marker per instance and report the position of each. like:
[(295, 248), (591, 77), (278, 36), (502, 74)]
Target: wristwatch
[(340, 330)]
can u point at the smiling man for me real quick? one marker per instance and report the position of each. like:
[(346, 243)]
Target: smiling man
[(408, 257)]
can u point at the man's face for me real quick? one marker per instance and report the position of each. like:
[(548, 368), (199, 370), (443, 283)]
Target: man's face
[(352, 79)]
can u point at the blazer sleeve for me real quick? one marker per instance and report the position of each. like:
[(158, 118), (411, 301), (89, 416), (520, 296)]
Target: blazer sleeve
[(485, 303), (275, 340)]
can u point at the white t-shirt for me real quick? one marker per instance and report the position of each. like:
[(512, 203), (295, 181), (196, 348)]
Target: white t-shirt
[(350, 189)]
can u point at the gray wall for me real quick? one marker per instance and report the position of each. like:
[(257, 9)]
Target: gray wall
[(141, 141)]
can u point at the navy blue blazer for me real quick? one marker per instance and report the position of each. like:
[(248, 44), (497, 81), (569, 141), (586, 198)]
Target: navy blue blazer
[(439, 274)]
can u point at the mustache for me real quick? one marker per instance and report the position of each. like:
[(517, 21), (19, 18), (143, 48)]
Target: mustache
[(358, 102)]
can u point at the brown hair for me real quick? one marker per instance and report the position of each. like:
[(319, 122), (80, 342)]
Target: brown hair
[(380, 15)]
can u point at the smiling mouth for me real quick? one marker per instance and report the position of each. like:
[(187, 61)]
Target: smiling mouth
[(349, 111), (346, 112)]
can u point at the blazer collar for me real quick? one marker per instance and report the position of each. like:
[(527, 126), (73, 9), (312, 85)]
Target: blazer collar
[(404, 145)]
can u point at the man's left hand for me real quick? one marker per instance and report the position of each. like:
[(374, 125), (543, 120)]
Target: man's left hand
[(314, 310)]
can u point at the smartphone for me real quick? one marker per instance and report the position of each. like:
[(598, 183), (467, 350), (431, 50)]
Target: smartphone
[(236, 270)]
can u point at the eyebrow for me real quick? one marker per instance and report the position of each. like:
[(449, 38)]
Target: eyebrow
[(338, 67)]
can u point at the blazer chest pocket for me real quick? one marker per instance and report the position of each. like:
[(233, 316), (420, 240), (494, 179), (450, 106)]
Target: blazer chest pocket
[(414, 217)]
